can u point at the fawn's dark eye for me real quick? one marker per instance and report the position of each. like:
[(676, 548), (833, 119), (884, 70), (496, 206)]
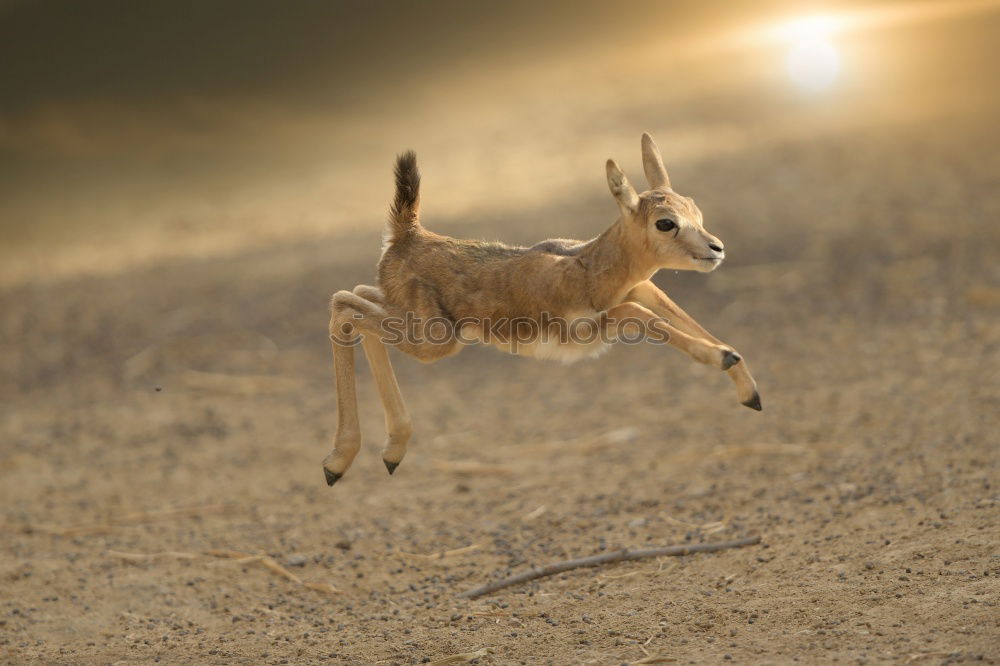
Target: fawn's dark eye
[(666, 224)]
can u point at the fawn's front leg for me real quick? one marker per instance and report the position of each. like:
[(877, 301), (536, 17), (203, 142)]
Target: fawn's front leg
[(649, 295), (701, 350)]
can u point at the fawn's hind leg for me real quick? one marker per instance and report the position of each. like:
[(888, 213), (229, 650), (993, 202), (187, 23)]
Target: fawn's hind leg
[(347, 441), (397, 420), (362, 313)]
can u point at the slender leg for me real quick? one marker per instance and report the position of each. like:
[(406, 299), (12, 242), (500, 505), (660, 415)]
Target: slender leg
[(652, 297), (364, 315), (699, 349), (397, 421), (347, 441)]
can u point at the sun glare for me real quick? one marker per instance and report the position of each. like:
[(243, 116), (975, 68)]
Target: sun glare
[(812, 60)]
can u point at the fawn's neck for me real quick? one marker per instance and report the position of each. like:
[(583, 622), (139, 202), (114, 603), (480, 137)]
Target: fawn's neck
[(613, 266)]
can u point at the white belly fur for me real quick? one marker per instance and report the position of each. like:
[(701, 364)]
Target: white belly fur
[(552, 348)]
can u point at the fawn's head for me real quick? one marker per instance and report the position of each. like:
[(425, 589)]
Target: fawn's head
[(660, 223)]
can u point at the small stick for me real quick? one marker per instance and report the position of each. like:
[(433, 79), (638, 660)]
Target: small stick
[(926, 655), (321, 587), (267, 562), (146, 557), (463, 658), (235, 555), (276, 568), (535, 514), (606, 558), (443, 554)]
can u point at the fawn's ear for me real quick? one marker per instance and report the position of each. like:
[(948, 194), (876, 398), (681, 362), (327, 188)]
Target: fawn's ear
[(621, 189), (652, 164)]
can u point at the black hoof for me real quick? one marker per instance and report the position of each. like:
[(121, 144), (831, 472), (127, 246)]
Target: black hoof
[(729, 359), (331, 478), (391, 466), (754, 402)]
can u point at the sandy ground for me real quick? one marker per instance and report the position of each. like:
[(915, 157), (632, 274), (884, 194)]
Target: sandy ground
[(155, 414)]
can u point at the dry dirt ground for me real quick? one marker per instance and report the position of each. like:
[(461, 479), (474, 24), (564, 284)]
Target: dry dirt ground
[(158, 414)]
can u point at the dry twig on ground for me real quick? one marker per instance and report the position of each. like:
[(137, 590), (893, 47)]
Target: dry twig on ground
[(241, 558), (463, 658), (442, 554), (606, 558)]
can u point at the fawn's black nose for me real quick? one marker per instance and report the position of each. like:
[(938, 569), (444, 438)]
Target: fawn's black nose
[(715, 246)]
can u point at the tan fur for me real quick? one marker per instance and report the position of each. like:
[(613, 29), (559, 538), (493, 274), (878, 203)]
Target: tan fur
[(462, 283)]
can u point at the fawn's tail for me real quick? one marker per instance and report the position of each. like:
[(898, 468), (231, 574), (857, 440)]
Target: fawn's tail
[(404, 214)]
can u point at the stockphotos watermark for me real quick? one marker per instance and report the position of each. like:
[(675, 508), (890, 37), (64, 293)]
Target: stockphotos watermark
[(508, 331)]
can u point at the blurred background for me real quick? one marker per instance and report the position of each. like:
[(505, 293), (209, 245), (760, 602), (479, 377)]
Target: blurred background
[(183, 185), (130, 134)]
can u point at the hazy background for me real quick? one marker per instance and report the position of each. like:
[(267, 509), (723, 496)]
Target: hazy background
[(130, 132)]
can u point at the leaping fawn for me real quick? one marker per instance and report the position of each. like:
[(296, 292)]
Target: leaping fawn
[(562, 299)]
